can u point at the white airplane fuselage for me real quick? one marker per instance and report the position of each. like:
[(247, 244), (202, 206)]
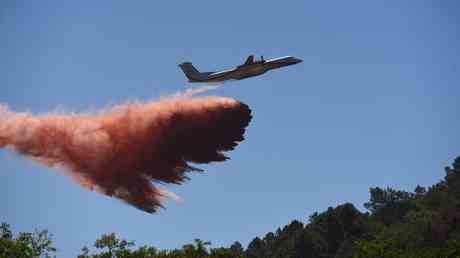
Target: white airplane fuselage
[(249, 69)]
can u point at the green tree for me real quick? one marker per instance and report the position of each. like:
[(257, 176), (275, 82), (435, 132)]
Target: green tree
[(110, 246), (197, 250), (236, 249), (256, 248), (388, 205), (25, 245)]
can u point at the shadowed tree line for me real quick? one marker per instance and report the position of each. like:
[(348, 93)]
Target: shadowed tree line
[(399, 224)]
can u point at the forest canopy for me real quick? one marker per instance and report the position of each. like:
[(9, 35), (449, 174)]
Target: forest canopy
[(398, 224)]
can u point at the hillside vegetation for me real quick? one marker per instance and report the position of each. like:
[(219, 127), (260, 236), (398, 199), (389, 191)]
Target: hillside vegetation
[(399, 224)]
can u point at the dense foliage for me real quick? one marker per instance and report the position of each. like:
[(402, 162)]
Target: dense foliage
[(24, 245), (399, 224)]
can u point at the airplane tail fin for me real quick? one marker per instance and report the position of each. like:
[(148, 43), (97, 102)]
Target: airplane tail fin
[(249, 60), (190, 71)]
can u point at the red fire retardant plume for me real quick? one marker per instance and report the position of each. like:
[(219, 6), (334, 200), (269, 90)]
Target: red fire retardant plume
[(123, 151)]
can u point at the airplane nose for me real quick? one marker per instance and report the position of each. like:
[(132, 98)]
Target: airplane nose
[(297, 60)]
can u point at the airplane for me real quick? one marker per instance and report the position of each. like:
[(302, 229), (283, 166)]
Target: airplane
[(250, 68)]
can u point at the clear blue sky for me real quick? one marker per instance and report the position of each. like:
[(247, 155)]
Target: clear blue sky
[(375, 103)]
